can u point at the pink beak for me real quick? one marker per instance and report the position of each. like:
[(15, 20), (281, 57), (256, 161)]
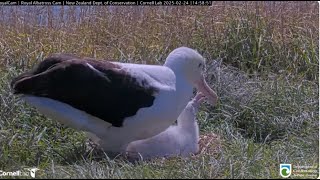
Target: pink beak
[(204, 88)]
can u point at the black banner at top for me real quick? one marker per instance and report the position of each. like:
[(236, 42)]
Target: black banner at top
[(105, 3)]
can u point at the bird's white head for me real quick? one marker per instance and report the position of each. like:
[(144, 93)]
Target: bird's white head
[(190, 64)]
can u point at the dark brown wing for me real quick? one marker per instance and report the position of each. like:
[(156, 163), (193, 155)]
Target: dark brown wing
[(102, 90)]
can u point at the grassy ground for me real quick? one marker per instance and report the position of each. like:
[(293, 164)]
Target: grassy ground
[(262, 58)]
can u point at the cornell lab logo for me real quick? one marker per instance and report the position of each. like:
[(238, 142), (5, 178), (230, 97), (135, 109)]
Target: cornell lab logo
[(285, 170), (32, 172)]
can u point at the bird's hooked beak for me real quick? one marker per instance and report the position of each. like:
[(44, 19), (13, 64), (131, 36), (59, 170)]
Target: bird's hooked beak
[(204, 88)]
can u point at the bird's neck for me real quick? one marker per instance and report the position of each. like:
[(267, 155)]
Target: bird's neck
[(187, 118), (184, 91)]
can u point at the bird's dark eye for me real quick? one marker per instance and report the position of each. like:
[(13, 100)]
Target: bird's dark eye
[(200, 64)]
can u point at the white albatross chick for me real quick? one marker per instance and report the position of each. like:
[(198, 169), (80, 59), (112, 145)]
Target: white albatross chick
[(177, 140)]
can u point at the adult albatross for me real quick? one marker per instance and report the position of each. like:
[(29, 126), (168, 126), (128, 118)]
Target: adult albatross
[(116, 102)]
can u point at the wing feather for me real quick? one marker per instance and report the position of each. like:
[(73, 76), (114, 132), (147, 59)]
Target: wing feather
[(100, 88)]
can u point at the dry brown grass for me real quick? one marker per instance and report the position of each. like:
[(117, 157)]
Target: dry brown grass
[(255, 36), (210, 144)]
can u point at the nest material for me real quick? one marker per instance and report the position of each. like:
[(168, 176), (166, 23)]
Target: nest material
[(209, 143)]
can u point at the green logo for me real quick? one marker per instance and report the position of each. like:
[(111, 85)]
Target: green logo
[(285, 170)]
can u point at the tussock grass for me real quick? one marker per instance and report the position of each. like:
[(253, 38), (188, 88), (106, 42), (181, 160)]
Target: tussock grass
[(262, 60), (259, 37)]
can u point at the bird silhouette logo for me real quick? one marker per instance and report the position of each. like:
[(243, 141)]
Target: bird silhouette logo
[(32, 171)]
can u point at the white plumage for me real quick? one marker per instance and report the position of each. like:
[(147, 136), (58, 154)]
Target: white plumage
[(178, 140)]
